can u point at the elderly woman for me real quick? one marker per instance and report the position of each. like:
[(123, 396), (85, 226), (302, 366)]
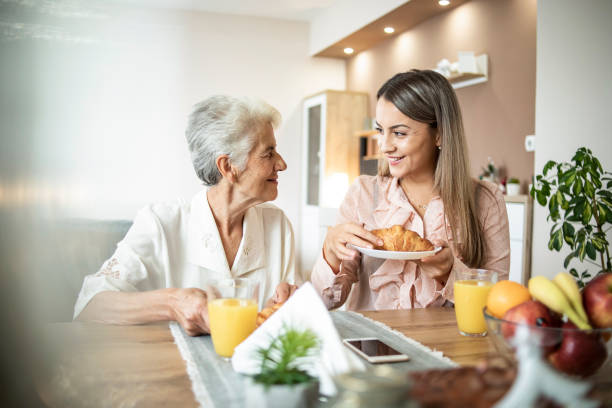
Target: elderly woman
[(175, 249)]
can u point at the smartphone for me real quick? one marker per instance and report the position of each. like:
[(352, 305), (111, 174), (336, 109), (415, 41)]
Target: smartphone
[(375, 351)]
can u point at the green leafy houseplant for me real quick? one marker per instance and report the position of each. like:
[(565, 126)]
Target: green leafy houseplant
[(580, 205), (284, 360)]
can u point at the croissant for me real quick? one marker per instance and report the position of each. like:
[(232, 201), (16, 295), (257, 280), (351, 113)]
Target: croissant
[(266, 312), (397, 238)]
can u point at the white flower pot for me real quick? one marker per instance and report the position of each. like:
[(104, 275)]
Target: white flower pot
[(281, 396), (513, 189)]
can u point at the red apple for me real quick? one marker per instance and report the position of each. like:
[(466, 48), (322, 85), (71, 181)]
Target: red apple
[(534, 313), (597, 300), (581, 352)]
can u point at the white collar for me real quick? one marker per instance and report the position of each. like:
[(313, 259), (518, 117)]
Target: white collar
[(204, 246)]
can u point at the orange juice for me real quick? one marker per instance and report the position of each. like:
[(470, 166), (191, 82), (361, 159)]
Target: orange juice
[(470, 299), (231, 321)]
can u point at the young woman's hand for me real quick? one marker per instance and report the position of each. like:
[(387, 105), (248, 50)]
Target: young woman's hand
[(335, 248), (190, 309), (439, 265)]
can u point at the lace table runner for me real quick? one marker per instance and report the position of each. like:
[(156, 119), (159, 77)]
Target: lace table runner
[(215, 384)]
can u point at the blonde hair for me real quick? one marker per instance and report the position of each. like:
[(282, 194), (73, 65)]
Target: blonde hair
[(427, 97)]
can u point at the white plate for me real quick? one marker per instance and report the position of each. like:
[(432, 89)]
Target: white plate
[(379, 253)]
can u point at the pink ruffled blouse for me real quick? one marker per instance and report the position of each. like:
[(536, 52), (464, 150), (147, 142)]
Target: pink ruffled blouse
[(379, 202)]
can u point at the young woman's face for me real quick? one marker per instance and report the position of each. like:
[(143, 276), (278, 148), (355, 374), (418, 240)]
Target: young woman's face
[(408, 146), (259, 179)]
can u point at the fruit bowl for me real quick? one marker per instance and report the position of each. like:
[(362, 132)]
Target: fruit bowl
[(576, 352)]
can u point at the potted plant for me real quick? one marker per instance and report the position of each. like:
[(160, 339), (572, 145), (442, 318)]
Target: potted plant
[(513, 186), (489, 172), (284, 379), (579, 202)]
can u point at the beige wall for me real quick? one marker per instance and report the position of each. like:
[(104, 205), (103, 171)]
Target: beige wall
[(100, 109), (498, 114), (574, 93)]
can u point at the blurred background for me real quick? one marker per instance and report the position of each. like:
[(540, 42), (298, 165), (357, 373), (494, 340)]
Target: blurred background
[(95, 96)]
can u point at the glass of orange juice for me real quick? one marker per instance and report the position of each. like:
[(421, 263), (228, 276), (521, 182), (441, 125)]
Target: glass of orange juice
[(471, 290), (232, 312)]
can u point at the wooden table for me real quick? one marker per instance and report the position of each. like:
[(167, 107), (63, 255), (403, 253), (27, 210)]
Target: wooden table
[(90, 364), (437, 329), (97, 365)]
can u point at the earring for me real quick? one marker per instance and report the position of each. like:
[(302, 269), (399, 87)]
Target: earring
[(439, 147)]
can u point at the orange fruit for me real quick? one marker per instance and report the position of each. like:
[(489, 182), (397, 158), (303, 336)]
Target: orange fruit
[(504, 295)]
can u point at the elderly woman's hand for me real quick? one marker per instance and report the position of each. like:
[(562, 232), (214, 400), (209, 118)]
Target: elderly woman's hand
[(334, 246), (438, 266), (190, 309), (283, 291)]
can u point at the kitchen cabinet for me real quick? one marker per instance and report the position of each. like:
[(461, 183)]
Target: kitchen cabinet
[(331, 153), (369, 153), (331, 156), (519, 210)]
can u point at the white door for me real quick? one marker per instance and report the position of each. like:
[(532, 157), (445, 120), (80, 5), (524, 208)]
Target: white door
[(313, 157), (516, 223)]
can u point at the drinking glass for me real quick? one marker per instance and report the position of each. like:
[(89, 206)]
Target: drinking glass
[(232, 312), (471, 290)]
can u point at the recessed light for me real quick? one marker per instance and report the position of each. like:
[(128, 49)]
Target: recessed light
[(389, 30), (444, 2), (349, 50)]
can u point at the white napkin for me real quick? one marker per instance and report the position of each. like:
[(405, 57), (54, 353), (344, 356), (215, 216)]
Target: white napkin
[(303, 310)]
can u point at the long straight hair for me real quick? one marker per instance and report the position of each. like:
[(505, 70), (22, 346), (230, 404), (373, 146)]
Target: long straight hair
[(427, 97)]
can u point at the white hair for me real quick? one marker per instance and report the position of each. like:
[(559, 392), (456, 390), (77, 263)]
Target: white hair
[(225, 125)]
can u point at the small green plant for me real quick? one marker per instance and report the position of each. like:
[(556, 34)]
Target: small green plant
[(285, 359), (577, 190), (489, 172), (514, 180)]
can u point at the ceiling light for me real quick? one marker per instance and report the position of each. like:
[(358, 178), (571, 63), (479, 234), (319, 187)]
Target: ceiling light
[(389, 30), (348, 50), (444, 2)]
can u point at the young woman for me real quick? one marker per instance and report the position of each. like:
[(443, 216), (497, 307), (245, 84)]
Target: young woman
[(423, 184)]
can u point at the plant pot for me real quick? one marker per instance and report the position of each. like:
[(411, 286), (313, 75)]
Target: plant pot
[(303, 395), (513, 189)]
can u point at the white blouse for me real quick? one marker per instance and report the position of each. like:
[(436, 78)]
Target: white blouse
[(177, 245)]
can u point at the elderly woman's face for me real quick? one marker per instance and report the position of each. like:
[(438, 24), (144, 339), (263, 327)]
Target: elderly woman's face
[(260, 177)]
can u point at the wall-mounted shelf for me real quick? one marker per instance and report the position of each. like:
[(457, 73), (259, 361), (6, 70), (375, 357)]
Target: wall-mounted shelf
[(463, 79)]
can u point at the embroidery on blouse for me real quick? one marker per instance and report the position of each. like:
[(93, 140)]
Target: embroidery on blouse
[(109, 270), (208, 241)]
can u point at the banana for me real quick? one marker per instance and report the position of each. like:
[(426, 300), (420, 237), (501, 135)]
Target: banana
[(543, 289), (568, 286)]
